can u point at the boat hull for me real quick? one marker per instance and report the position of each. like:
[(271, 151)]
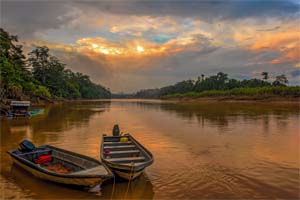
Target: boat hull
[(128, 174), (132, 167), (84, 181)]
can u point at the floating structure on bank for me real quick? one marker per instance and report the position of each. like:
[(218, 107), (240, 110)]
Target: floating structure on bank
[(19, 109)]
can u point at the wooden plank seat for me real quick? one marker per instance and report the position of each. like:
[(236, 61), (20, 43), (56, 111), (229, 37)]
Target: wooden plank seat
[(120, 148), (124, 153), (127, 159), (117, 143), (134, 163)]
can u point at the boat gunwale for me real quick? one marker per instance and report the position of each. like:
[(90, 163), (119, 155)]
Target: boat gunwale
[(43, 170)]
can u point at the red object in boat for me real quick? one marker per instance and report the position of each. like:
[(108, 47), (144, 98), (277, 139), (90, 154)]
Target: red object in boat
[(43, 159), (106, 152)]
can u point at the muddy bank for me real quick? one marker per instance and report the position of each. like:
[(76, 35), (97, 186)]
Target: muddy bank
[(249, 99)]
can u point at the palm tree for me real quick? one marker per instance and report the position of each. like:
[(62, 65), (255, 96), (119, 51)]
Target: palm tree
[(265, 75), (202, 77), (280, 80)]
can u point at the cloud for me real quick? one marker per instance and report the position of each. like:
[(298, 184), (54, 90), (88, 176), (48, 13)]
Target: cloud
[(134, 44), (28, 17), (295, 73), (284, 41), (138, 48), (206, 10), (269, 29), (98, 58)]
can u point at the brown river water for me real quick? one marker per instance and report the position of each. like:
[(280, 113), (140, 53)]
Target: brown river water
[(206, 150)]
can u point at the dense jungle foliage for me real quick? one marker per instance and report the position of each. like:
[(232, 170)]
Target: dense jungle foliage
[(40, 75), (221, 85)]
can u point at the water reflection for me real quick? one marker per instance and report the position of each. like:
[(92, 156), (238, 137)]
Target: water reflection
[(222, 113), (203, 150), (56, 118), (140, 188)]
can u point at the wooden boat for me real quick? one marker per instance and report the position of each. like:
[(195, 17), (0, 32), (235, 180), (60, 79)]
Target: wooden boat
[(36, 112), (65, 167), (19, 109), (126, 157)]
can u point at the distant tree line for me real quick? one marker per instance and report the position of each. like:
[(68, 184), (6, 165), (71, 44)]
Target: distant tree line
[(218, 82), (40, 75)]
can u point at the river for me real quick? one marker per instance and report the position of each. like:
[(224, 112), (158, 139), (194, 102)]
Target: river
[(201, 150)]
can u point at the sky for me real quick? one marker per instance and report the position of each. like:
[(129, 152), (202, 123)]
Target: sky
[(128, 45)]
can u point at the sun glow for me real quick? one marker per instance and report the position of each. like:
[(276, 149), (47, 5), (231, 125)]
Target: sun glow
[(105, 51), (139, 49), (94, 45), (133, 48)]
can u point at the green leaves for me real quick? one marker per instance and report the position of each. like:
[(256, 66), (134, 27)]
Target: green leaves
[(221, 85), (51, 73), (258, 92), (48, 77)]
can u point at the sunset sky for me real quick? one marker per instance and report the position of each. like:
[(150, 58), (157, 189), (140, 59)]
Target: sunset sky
[(128, 45)]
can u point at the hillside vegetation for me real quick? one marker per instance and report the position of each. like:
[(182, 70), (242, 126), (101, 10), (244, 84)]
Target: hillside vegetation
[(40, 75), (221, 86)]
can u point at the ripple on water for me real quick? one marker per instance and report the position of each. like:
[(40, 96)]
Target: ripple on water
[(213, 150), (10, 190)]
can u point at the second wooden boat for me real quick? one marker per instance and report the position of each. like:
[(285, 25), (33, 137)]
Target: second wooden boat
[(125, 156), (59, 165)]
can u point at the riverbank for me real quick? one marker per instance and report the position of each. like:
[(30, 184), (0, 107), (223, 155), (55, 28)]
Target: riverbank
[(263, 94), (239, 99)]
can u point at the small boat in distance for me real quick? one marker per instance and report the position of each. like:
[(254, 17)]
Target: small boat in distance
[(19, 109), (125, 156), (59, 165), (36, 112)]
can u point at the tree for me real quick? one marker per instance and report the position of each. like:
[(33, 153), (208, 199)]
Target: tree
[(47, 78), (39, 59), (233, 83), (265, 75), (48, 70), (15, 77), (254, 83), (202, 77), (280, 80)]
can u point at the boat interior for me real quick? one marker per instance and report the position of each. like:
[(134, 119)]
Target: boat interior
[(122, 150), (61, 162)]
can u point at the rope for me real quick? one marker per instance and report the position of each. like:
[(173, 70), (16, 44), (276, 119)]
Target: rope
[(130, 178), (113, 188)]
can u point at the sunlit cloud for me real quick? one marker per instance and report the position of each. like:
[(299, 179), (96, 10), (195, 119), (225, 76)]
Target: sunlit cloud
[(284, 39), (170, 42), (140, 49)]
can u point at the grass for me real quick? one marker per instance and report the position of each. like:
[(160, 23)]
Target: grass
[(260, 93)]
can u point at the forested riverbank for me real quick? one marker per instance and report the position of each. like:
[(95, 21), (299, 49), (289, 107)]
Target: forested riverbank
[(278, 93), (40, 76), (221, 87)]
